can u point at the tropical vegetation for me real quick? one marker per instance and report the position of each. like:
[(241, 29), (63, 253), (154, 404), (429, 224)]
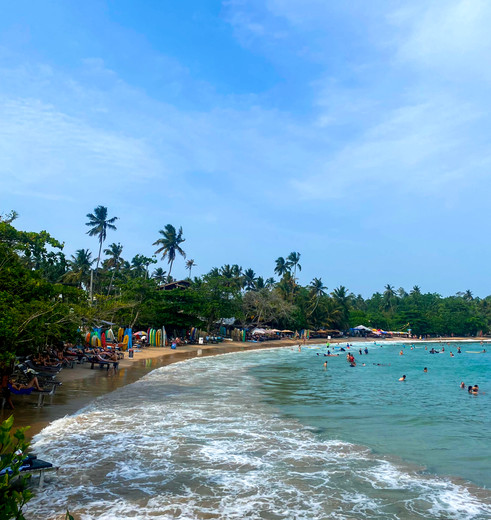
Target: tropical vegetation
[(46, 297)]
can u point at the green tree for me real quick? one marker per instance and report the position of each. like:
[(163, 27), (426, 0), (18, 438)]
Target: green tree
[(13, 487), (282, 266), (114, 262), (189, 265), (79, 268), (170, 244), (159, 275), (317, 289), (99, 224), (294, 259), (342, 298)]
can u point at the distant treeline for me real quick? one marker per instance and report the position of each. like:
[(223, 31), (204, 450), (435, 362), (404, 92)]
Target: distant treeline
[(46, 298)]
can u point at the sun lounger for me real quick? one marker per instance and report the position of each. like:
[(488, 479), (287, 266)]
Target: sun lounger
[(37, 466), (103, 363), (28, 391)]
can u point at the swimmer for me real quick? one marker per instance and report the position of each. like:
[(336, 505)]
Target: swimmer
[(451, 354), (475, 389), (403, 378), (425, 369), (366, 350), (459, 351), (360, 352), (325, 364), (462, 385), (401, 353)]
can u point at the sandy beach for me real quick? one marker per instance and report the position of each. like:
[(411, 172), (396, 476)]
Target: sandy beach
[(81, 385)]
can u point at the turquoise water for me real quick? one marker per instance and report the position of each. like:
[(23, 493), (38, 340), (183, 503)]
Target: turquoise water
[(428, 419), (272, 435)]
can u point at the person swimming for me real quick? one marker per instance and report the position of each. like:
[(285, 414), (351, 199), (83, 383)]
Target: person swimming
[(425, 369), (462, 385), (403, 378)]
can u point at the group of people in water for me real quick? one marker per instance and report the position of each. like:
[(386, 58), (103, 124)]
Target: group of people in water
[(352, 362)]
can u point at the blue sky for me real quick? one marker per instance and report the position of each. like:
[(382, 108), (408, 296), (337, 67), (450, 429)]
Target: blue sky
[(356, 133)]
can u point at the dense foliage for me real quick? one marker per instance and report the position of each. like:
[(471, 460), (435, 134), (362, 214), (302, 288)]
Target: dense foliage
[(13, 487), (45, 297)]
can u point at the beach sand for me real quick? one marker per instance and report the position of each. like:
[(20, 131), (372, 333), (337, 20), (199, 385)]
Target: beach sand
[(81, 385)]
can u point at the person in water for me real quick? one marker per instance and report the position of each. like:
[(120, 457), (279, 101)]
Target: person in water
[(366, 350), (459, 351), (425, 369), (475, 389), (462, 385), (403, 378), (401, 353)]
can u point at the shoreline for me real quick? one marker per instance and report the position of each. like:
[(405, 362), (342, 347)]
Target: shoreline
[(81, 385)]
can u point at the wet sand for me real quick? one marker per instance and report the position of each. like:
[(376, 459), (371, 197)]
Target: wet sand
[(81, 385)]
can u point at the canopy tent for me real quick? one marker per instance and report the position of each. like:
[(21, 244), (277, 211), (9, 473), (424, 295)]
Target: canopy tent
[(362, 327), (258, 331)]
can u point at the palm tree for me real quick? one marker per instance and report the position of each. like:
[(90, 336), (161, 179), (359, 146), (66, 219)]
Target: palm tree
[(99, 224), (282, 266), (249, 279), (80, 266), (159, 275), (170, 244), (294, 259), (140, 264), (189, 265), (342, 299), (416, 290), (114, 252), (389, 295), (260, 283), (317, 289), (270, 282)]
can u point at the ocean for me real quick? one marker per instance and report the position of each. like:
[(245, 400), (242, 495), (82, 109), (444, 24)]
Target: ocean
[(274, 434)]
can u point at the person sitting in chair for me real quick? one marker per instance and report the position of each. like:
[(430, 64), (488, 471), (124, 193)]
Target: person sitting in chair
[(33, 383)]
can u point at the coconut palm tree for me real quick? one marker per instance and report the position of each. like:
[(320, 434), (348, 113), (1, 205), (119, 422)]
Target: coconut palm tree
[(170, 244), (249, 279), (282, 266), (270, 282), (114, 261), (80, 266), (317, 289), (99, 223), (294, 259), (389, 296), (159, 275), (342, 299), (189, 265)]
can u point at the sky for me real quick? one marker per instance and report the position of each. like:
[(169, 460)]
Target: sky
[(356, 133)]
